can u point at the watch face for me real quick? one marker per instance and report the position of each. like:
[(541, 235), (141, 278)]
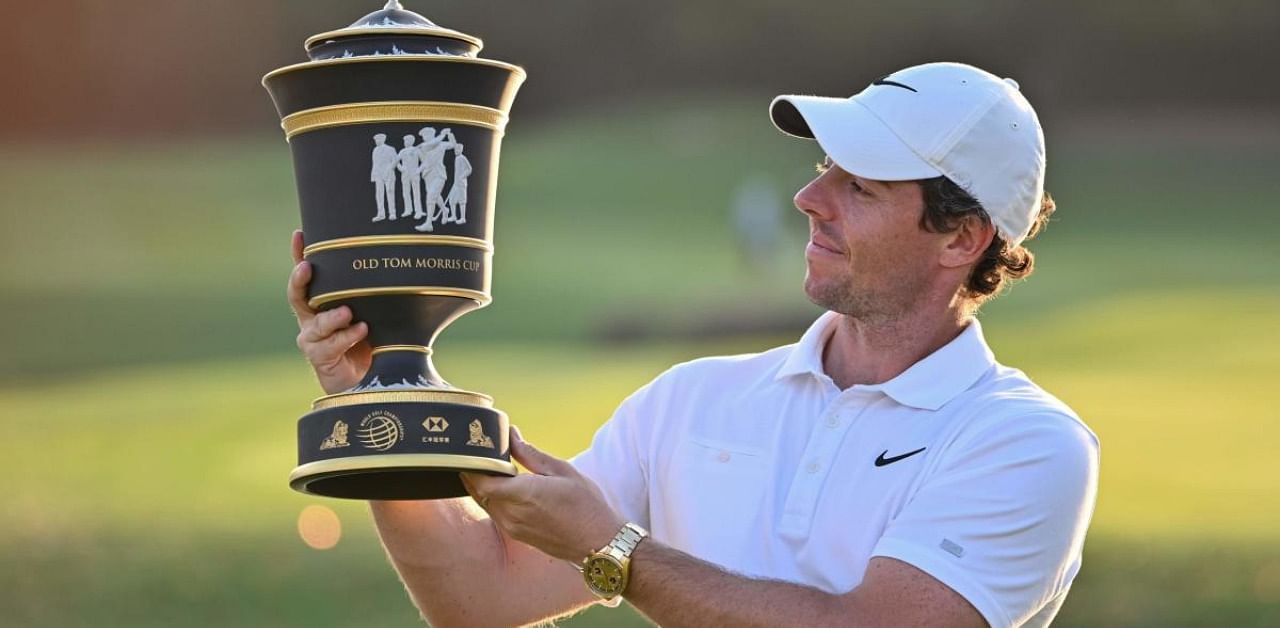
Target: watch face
[(604, 575)]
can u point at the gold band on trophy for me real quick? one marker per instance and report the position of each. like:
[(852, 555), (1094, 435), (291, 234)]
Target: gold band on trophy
[(410, 348), (392, 111), (395, 240), (462, 397), (328, 297)]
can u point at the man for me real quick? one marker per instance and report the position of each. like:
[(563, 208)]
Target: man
[(433, 173), (383, 176), (457, 203), (883, 471), (410, 186)]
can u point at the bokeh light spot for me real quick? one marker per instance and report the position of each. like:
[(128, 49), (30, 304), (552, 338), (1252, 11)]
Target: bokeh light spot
[(319, 527)]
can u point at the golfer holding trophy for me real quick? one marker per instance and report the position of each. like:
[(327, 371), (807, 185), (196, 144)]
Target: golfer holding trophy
[(885, 470)]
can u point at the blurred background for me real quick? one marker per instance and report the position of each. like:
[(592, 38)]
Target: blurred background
[(149, 382)]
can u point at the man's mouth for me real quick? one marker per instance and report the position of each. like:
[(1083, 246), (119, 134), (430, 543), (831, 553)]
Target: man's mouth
[(823, 245)]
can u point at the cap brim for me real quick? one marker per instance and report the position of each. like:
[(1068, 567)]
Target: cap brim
[(853, 137)]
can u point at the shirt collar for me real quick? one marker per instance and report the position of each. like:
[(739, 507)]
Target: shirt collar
[(928, 384), (806, 355)]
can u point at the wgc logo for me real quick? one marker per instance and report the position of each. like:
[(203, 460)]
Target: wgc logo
[(380, 430)]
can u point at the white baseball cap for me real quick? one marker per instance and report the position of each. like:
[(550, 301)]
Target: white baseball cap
[(932, 120)]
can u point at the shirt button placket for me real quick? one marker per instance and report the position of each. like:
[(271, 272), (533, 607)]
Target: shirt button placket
[(802, 501)]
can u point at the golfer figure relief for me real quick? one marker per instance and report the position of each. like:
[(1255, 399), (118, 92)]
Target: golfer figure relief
[(409, 166), (422, 168), (434, 175), (383, 177)]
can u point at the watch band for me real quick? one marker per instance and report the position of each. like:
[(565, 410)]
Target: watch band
[(625, 541)]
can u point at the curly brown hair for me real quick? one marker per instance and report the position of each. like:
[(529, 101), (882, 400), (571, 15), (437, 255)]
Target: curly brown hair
[(947, 205)]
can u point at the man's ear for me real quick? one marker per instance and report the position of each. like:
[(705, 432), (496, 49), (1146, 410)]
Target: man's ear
[(966, 244)]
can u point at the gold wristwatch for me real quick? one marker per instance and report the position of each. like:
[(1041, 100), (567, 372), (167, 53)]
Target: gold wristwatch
[(607, 569)]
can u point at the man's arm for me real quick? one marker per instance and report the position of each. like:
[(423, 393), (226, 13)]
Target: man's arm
[(462, 570), (675, 589), (563, 513)]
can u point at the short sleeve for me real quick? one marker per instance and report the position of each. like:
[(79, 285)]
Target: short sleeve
[(1002, 518), (616, 460)]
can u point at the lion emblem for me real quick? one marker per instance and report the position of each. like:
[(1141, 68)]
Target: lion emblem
[(477, 437), (338, 438)]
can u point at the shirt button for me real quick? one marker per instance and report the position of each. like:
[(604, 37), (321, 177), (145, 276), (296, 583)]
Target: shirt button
[(723, 457), (832, 421), (813, 467)]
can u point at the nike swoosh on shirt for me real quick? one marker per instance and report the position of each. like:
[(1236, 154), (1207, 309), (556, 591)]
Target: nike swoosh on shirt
[(881, 460)]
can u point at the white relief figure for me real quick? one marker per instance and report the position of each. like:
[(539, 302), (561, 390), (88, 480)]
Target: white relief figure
[(383, 176), (458, 193), (409, 165), (434, 174)]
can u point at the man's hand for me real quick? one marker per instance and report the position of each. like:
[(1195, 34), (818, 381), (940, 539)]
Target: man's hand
[(336, 349), (554, 508)]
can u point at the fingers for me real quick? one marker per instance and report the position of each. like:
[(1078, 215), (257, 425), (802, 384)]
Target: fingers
[(329, 348), (297, 292), (535, 459), (482, 488), (324, 324), (478, 484), (296, 245), (323, 337), (490, 490)]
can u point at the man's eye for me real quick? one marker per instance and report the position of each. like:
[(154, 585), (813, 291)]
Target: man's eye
[(856, 188)]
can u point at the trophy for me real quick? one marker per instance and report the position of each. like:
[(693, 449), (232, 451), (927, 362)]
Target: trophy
[(395, 125)]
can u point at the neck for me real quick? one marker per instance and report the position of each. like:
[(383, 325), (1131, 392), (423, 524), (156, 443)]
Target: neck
[(874, 350)]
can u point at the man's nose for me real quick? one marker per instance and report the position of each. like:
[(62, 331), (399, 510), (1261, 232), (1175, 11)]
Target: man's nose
[(811, 200)]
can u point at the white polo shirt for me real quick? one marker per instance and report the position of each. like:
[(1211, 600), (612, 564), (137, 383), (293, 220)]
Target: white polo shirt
[(959, 466)]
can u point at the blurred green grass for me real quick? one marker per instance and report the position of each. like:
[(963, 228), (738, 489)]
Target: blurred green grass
[(138, 253), (146, 411), (195, 238)]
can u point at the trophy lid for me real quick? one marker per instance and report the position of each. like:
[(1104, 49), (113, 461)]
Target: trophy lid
[(391, 30)]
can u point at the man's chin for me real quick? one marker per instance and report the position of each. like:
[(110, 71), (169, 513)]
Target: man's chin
[(822, 292)]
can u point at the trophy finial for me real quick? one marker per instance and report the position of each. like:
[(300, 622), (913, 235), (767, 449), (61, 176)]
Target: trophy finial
[(391, 30)]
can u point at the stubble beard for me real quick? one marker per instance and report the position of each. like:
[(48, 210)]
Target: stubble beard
[(867, 303)]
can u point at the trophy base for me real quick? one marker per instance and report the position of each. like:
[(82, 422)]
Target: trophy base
[(403, 443)]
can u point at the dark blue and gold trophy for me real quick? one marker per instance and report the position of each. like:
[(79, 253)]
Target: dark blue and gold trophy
[(395, 125)]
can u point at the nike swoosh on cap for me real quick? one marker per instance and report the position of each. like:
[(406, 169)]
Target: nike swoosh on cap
[(882, 81)]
